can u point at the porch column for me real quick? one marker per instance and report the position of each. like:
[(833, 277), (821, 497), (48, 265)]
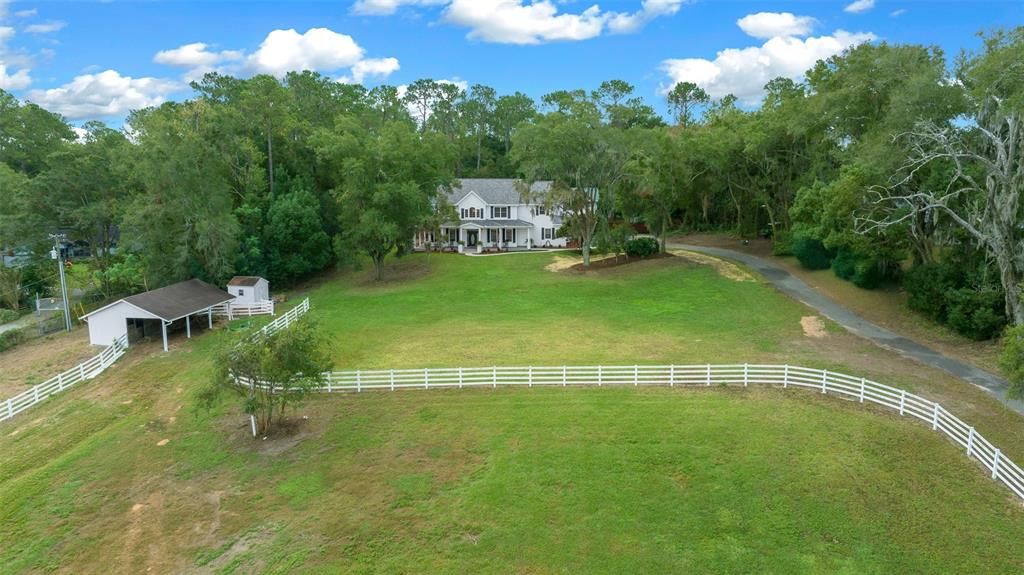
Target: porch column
[(188, 327), (163, 328)]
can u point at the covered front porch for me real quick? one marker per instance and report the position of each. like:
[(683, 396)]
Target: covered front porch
[(481, 236)]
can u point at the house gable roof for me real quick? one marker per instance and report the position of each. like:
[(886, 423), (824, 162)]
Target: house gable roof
[(494, 191)]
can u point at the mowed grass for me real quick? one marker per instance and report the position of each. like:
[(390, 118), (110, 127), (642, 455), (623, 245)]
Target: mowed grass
[(607, 480), (508, 310)]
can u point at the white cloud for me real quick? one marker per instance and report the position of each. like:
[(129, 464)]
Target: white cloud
[(766, 25), (318, 49), (649, 10), (388, 7), (196, 58), (529, 21), (371, 68), (283, 51), (26, 13), (194, 55), (45, 28), (858, 6), (105, 94), (512, 22), (743, 72), (15, 80), (898, 13), (15, 68)]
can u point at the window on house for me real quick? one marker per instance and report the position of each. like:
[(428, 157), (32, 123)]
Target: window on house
[(463, 213), (491, 235), (539, 210), (241, 292), (499, 211), (508, 235), (547, 233)]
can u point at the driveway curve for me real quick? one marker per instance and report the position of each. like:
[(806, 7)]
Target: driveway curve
[(795, 288)]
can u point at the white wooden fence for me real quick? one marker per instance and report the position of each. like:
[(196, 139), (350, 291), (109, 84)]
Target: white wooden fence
[(855, 388), (233, 310), (88, 369), (285, 320)]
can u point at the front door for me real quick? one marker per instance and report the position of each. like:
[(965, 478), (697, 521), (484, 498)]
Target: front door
[(471, 237)]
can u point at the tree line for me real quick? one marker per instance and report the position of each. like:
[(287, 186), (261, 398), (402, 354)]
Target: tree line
[(883, 163)]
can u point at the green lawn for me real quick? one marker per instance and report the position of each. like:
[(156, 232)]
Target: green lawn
[(122, 475), (508, 310)]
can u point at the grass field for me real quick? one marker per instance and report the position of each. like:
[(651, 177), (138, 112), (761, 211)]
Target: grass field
[(123, 475)]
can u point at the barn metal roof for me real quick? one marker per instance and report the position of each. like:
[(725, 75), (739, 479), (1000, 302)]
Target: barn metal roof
[(179, 300)]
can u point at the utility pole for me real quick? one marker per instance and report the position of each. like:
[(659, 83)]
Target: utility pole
[(57, 255)]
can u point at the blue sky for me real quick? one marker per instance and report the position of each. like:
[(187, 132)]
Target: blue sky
[(97, 60)]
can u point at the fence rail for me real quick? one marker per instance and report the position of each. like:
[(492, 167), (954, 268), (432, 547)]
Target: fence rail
[(233, 310), (860, 389), (282, 322), (88, 369)]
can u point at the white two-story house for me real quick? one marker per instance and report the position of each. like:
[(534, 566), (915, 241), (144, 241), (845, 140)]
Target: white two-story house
[(493, 215)]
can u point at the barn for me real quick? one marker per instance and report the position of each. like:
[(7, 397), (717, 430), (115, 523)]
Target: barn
[(164, 306)]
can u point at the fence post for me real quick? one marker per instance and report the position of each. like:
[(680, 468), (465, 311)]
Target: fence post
[(824, 379), (862, 385), (10, 408), (746, 377), (460, 378), (709, 374), (785, 376), (599, 376), (903, 399), (81, 371), (529, 376), (970, 442), (636, 376), (935, 416), (426, 379), (35, 394), (359, 381), (564, 378), (60, 381), (672, 375), (494, 377), (995, 465), (330, 376), (391, 377)]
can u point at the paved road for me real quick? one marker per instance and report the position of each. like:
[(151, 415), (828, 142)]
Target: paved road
[(794, 287)]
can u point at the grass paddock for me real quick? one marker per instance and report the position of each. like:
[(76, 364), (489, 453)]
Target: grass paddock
[(123, 475)]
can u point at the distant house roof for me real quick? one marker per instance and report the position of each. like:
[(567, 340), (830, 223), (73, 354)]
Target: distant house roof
[(244, 281), (499, 191), (179, 300)]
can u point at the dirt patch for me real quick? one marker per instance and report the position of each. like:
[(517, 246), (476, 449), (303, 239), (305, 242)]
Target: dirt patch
[(813, 326), (613, 262), (561, 263), (725, 269)]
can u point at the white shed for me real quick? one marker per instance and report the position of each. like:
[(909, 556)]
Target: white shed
[(249, 289), (165, 305)]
